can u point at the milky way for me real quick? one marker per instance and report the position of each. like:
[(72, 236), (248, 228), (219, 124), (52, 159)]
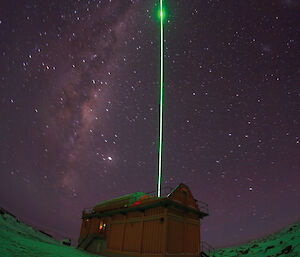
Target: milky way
[(84, 87), (80, 107)]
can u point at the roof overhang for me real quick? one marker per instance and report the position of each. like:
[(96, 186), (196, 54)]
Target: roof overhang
[(163, 201)]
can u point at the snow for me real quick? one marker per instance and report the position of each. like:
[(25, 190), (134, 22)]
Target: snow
[(285, 243), (19, 239)]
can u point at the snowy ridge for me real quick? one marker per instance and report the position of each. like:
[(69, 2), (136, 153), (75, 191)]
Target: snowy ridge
[(10, 223), (285, 243), (20, 240)]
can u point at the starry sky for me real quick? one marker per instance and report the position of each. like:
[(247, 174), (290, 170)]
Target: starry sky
[(79, 109)]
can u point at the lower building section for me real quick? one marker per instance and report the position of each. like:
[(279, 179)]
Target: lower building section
[(163, 233), (149, 227)]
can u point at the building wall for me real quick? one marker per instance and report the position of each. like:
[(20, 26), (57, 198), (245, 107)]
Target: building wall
[(183, 233), (138, 232), (152, 237), (91, 226), (157, 231), (132, 235), (183, 194)]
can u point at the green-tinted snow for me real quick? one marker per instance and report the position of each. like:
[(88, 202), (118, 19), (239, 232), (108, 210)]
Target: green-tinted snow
[(285, 243), (20, 240)]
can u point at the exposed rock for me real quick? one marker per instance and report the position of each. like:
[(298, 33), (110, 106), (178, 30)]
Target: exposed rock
[(269, 247)]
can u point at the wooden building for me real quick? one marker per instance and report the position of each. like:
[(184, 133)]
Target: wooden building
[(140, 224)]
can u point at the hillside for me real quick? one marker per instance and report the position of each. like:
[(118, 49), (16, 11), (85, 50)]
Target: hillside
[(285, 243), (18, 239)]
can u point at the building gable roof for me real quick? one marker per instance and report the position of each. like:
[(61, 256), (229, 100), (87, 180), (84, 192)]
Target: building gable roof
[(183, 194), (180, 196)]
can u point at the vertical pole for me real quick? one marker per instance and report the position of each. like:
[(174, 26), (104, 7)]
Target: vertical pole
[(161, 97)]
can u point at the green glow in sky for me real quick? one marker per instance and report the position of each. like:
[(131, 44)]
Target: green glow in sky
[(161, 97)]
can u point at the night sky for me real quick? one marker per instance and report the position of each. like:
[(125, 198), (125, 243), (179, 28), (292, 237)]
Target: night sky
[(79, 109)]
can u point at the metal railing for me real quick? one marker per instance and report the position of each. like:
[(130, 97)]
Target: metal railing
[(165, 191), (207, 248), (203, 207)]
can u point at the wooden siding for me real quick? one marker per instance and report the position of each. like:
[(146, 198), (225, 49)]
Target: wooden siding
[(192, 215), (133, 232), (87, 227), (135, 214), (154, 211), (175, 236), (191, 238), (175, 211), (184, 196), (116, 236), (160, 231), (94, 225), (142, 234), (183, 235), (152, 237), (118, 217)]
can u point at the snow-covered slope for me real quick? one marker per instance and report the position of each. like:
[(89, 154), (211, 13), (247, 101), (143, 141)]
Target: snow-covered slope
[(20, 240), (285, 243)]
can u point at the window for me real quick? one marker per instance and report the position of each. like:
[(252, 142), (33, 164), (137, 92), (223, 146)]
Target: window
[(102, 225)]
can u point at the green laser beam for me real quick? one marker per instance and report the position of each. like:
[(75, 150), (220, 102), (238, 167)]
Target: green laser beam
[(161, 97)]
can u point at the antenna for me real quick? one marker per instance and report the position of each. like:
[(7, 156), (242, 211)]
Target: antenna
[(161, 97)]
